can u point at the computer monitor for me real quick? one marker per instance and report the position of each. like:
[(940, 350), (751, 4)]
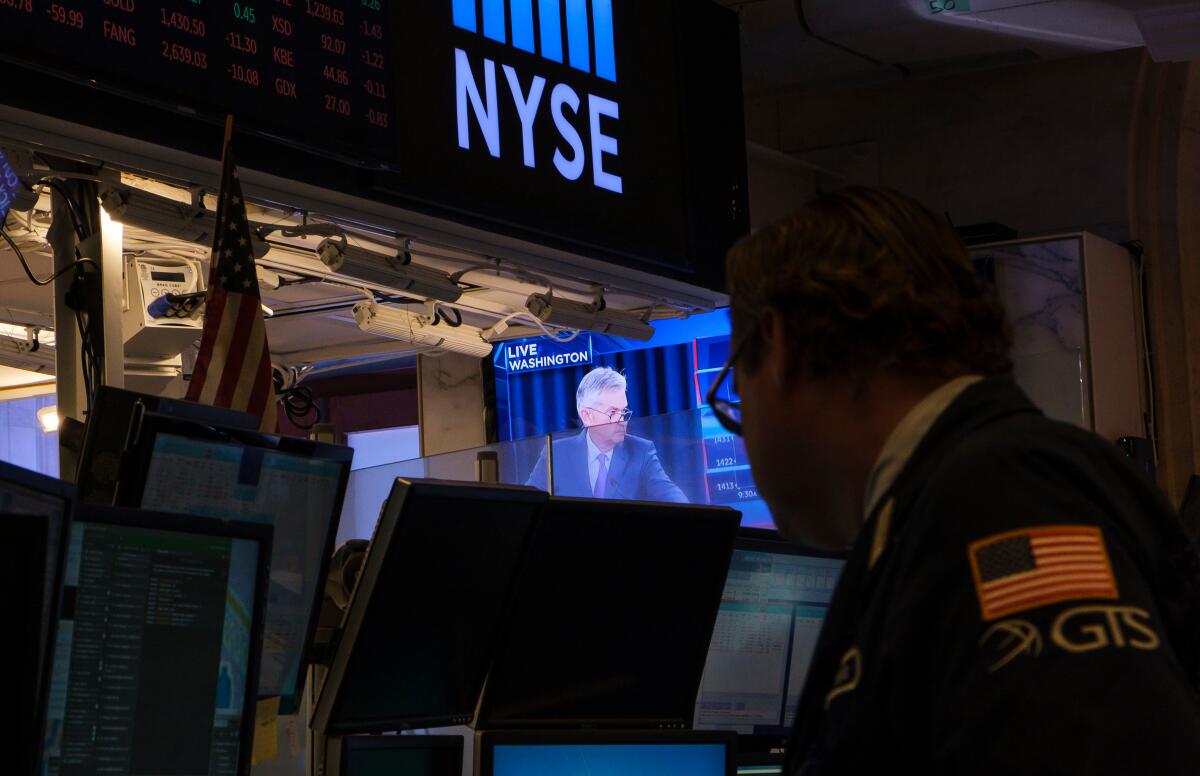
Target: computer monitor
[(771, 614), (399, 756), (611, 616), (422, 626), (115, 411), (34, 511), (605, 753), (293, 484), (156, 657)]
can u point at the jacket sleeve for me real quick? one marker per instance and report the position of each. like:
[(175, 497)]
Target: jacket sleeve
[(1029, 616), (656, 485)]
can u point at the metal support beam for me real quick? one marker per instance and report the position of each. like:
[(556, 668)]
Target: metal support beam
[(72, 399), (112, 273)]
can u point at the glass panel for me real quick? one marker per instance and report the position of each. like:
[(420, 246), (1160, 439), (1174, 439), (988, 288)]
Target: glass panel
[(365, 493), (22, 440), (679, 457), (522, 462), (510, 463)]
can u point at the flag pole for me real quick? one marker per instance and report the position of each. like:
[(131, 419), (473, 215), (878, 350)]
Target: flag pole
[(228, 138)]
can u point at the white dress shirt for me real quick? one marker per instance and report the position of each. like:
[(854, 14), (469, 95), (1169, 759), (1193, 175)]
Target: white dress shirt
[(907, 434)]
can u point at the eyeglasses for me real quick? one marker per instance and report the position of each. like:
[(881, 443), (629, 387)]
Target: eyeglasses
[(614, 416), (728, 414)]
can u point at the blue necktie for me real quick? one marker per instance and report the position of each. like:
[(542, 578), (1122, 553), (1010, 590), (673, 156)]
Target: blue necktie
[(601, 477)]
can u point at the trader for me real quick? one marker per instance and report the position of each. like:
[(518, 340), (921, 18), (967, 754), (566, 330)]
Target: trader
[(1018, 597), (604, 460)]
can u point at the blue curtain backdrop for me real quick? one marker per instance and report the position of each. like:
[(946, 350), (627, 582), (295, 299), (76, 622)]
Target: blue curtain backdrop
[(661, 380)]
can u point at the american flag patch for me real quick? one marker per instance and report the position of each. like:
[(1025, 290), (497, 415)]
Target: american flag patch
[(1034, 567)]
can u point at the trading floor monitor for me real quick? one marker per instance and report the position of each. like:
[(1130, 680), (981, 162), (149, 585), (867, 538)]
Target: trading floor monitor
[(295, 485), (157, 649), (611, 616), (114, 412), (399, 756), (606, 753), (422, 627), (772, 610), (34, 511)]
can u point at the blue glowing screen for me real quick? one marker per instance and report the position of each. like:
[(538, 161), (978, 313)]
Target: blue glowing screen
[(609, 760)]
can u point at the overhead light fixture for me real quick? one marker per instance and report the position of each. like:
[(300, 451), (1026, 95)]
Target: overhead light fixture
[(568, 314), (375, 318), (27, 347), (161, 215), (396, 271), (48, 417)]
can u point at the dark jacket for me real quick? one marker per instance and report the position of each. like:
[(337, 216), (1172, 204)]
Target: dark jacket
[(635, 474), (1033, 607)]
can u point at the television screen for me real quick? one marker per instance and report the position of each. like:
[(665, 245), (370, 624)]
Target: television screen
[(669, 448)]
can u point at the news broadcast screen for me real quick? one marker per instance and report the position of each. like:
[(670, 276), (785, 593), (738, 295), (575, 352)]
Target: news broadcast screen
[(628, 419)]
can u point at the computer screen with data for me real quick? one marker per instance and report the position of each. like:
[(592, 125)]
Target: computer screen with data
[(772, 610), (298, 492), (596, 753), (156, 648)]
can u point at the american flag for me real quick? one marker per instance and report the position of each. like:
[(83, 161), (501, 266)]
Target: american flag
[(234, 366), (1034, 567)]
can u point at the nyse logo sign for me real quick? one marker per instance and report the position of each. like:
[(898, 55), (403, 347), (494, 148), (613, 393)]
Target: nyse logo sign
[(575, 117)]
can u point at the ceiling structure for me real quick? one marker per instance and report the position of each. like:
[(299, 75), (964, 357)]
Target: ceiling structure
[(308, 305), (801, 43)]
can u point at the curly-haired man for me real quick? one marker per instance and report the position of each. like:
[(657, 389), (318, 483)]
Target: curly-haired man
[(1018, 598)]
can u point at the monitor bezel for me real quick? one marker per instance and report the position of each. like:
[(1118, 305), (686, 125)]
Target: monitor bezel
[(351, 744), (486, 742), (485, 716), (770, 540), (325, 714), (115, 411), (135, 469), (207, 526), (66, 491)]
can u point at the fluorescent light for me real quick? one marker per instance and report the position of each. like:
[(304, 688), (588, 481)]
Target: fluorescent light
[(568, 314), (374, 318), (48, 417), (160, 215), (24, 333), (394, 270)]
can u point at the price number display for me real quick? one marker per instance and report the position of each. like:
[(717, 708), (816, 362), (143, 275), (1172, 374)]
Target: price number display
[(316, 72)]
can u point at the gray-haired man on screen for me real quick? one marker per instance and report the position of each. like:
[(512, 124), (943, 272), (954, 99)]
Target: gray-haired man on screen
[(604, 460)]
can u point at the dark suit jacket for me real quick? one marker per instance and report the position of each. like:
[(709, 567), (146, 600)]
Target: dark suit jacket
[(635, 473)]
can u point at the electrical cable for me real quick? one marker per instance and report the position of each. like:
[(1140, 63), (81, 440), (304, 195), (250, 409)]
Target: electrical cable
[(299, 404), (76, 219), (537, 322), (29, 273), (440, 315)]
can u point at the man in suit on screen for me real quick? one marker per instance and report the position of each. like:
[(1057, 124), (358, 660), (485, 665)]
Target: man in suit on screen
[(604, 460)]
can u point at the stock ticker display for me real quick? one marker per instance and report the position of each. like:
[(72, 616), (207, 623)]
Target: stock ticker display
[(726, 465), (302, 68)]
